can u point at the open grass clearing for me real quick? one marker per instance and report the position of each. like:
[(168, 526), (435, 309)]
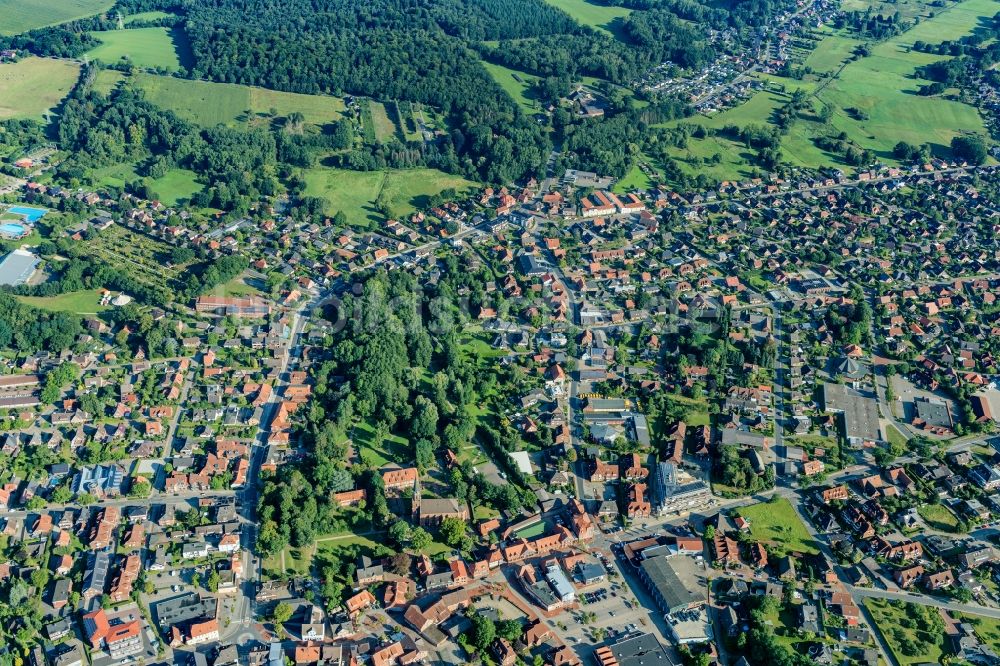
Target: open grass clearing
[(585, 12), (385, 127), (355, 192), (32, 87), (146, 16), (145, 47), (832, 52), (22, 15), (776, 523), (938, 517), (175, 186), (78, 302), (515, 83)]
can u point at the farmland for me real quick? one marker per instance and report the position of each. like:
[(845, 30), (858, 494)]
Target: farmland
[(355, 192), (23, 15), (144, 47), (34, 86)]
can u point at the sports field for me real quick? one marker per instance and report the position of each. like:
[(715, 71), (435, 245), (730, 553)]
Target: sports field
[(18, 16), (590, 13), (355, 192), (32, 86), (519, 90), (145, 47), (210, 104)]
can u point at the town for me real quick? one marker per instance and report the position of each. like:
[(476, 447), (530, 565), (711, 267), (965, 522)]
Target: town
[(650, 427)]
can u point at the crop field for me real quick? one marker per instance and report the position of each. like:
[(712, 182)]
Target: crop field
[(33, 86), (520, 91), (355, 192), (23, 15), (595, 15), (145, 47), (210, 104)]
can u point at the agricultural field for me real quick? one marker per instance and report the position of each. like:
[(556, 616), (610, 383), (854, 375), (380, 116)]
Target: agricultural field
[(355, 192), (78, 302), (34, 86), (145, 47), (595, 15), (832, 52), (211, 104), (776, 523), (520, 91), (23, 15)]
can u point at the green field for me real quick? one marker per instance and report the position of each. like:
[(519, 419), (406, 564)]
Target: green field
[(33, 86), (986, 628), (385, 127), (355, 192), (210, 104), (595, 15), (23, 15), (79, 302), (520, 91), (777, 524), (176, 186), (145, 47), (831, 53)]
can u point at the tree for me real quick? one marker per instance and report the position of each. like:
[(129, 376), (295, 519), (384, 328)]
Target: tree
[(483, 631), (420, 539), (282, 613), (509, 629), (709, 532), (452, 531), (400, 533), (212, 584), (970, 148)]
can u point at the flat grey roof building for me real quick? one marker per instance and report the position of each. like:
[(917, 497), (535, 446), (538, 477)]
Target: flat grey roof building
[(674, 582), (18, 267), (860, 413)]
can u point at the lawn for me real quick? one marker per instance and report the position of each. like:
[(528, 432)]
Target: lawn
[(938, 517), (896, 438), (79, 302), (890, 619), (145, 47), (355, 192), (393, 449), (605, 17), (175, 186), (385, 127), (210, 104), (23, 15), (635, 179), (520, 91), (776, 523), (33, 86)]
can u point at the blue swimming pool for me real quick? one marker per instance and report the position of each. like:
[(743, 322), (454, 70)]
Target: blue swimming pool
[(12, 229), (30, 214)]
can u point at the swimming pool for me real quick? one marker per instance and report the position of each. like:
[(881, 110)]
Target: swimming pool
[(30, 214), (12, 229)]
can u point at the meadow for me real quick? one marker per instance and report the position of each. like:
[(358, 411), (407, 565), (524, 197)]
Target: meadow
[(33, 86), (604, 17), (145, 47), (775, 522), (385, 127), (520, 91), (210, 104), (354, 192), (23, 15), (78, 302)]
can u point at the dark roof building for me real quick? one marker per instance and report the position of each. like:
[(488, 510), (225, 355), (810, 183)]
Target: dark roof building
[(674, 582)]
